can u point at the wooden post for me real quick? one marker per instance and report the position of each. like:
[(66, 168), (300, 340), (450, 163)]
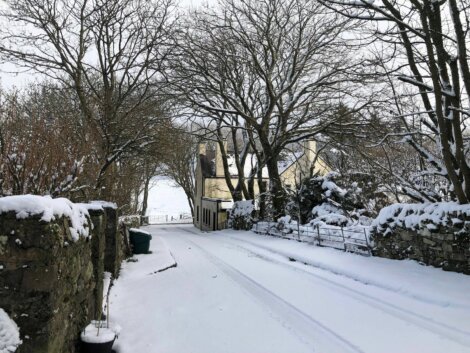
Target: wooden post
[(367, 242), (298, 229), (318, 235), (344, 240)]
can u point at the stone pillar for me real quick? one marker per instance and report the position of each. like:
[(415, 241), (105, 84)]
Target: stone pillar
[(310, 150), (202, 148), (113, 250)]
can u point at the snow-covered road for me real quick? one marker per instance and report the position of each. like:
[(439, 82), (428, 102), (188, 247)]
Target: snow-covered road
[(244, 293)]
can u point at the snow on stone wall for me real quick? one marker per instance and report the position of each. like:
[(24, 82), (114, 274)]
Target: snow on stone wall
[(47, 279), (436, 234), (52, 255), (48, 209), (418, 216), (9, 334)]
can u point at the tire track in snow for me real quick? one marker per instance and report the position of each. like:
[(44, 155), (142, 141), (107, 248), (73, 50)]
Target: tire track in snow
[(319, 266), (299, 321), (438, 328)]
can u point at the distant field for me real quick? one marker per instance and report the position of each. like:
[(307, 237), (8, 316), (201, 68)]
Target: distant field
[(166, 199)]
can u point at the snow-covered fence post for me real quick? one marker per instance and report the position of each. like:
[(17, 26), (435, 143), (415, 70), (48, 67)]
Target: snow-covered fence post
[(344, 240), (298, 228), (318, 235), (367, 242)]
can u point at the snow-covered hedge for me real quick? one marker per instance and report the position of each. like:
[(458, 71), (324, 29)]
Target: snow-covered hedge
[(105, 204), (9, 334), (130, 220), (322, 200), (420, 216), (241, 215), (48, 209)]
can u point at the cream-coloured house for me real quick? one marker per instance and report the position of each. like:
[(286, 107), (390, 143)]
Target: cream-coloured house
[(212, 195)]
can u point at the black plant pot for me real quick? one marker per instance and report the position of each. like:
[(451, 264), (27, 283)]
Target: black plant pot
[(105, 347)]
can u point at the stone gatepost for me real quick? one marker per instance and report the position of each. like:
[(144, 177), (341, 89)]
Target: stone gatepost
[(113, 249), (98, 244)]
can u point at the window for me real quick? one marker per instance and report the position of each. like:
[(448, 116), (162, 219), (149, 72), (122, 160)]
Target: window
[(264, 186), (197, 214)]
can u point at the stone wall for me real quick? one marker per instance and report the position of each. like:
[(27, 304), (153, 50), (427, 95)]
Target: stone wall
[(47, 282), (52, 261), (443, 246), (126, 223)]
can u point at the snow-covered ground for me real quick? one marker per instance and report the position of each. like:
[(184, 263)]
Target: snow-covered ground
[(166, 198), (247, 293)]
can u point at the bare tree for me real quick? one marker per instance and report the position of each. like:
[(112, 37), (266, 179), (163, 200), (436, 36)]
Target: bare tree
[(277, 65), (108, 51), (177, 156), (424, 45), (41, 151)]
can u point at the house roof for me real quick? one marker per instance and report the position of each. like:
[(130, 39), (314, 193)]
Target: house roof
[(289, 160), (208, 164), (250, 163)]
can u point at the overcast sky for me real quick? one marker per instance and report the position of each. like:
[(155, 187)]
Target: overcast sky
[(9, 76)]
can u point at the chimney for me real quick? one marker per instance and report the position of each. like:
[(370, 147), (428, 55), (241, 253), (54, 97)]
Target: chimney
[(219, 165), (202, 149), (310, 150)]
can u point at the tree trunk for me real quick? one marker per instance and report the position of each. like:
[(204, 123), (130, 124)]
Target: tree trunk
[(276, 190), (191, 205), (146, 196), (262, 194)]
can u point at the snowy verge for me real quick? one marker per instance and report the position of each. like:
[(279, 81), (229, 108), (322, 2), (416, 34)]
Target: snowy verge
[(9, 334), (419, 216), (406, 277), (143, 265), (135, 280), (49, 209)]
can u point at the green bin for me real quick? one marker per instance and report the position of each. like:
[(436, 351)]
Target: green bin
[(140, 241)]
